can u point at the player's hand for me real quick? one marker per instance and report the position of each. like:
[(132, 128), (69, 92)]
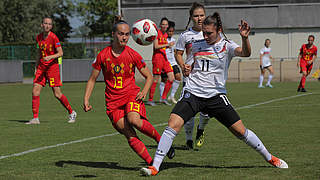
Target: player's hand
[(47, 58), (171, 44), (140, 96), (86, 107), (186, 69), (244, 29)]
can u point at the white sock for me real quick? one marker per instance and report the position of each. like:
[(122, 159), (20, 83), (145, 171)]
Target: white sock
[(163, 147), (204, 118), (188, 127), (161, 88), (253, 141), (175, 86), (270, 78), (261, 80)]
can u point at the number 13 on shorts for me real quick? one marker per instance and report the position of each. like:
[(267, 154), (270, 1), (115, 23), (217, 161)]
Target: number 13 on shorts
[(134, 106)]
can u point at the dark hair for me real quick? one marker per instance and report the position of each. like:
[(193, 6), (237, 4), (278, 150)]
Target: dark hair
[(194, 6), (116, 21), (171, 24), (265, 41), (311, 36), (164, 19), (215, 19), (47, 17)]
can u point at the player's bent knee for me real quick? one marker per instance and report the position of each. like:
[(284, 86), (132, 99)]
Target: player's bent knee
[(175, 122)]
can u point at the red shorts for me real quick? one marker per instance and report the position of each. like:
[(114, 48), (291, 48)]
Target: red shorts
[(48, 73), (115, 113), (304, 66), (159, 64)]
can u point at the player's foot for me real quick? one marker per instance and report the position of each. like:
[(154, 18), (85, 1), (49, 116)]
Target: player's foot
[(299, 89), (200, 137), (72, 117), (279, 163), (303, 90), (164, 101), (189, 144), (171, 153), (33, 121), (260, 86), (269, 85), (149, 171), (151, 103), (172, 99)]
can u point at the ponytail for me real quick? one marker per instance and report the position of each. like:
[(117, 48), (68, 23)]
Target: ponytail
[(215, 19), (116, 21)]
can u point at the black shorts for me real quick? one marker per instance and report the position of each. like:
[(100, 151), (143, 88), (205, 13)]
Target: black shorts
[(217, 106), (176, 70)]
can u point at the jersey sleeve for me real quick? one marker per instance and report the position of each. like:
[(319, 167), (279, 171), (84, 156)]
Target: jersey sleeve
[(56, 42), (315, 51), (231, 47), (97, 62), (301, 50), (180, 45), (138, 60), (261, 51)]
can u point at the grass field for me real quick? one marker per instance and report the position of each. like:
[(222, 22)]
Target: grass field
[(286, 121)]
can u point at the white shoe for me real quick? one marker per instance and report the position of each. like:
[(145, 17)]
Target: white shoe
[(269, 85), (172, 99), (33, 121), (72, 117), (277, 162), (260, 86), (151, 103)]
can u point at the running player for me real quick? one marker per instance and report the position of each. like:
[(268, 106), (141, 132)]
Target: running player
[(265, 63), (160, 63), (184, 43), (212, 58), (124, 105), (47, 69), (172, 60), (306, 57)]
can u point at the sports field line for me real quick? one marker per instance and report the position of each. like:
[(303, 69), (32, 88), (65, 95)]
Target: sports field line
[(113, 134)]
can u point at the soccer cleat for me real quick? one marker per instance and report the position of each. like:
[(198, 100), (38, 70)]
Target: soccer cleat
[(299, 89), (172, 99), (171, 153), (164, 101), (279, 163), (260, 86), (269, 85), (33, 121), (189, 144), (72, 117), (149, 171), (200, 137), (151, 103), (303, 90)]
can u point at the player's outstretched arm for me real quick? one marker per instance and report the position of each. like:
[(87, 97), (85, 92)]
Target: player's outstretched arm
[(89, 88), (148, 76), (245, 50)]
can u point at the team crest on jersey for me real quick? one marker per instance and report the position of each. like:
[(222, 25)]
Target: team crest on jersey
[(187, 95), (117, 68)]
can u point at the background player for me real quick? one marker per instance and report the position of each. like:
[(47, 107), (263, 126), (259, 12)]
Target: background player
[(47, 69), (124, 105), (172, 60), (212, 57), (306, 57), (184, 43), (265, 63), (160, 63)]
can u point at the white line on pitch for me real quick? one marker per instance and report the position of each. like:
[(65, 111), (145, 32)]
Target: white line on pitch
[(106, 135)]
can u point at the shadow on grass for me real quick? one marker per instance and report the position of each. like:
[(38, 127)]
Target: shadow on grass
[(19, 121), (109, 165)]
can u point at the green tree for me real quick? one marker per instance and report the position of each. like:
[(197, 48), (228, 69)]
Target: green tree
[(20, 20), (98, 16)]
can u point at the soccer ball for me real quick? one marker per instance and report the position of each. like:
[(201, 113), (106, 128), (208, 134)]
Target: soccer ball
[(144, 32)]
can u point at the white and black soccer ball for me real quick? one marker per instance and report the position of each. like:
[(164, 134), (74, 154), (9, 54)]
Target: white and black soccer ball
[(144, 32)]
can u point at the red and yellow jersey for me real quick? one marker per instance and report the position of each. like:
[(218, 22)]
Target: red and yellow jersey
[(48, 46), (119, 73), (162, 39), (307, 54)]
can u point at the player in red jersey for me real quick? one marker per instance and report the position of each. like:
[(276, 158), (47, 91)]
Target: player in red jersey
[(47, 69), (124, 100), (307, 55), (160, 62)]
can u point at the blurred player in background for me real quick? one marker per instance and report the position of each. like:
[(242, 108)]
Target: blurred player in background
[(124, 100), (265, 63), (47, 69), (172, 60), (307, 55), (184, 44), (160, 63), (205, 91)]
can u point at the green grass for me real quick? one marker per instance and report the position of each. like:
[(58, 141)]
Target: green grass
[(289, 129)]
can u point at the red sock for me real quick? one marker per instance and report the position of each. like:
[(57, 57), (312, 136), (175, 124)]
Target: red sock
[(35, 106), (64, 101), (149, 130), (303, 81), (152, 90), (140, 149), (166, 89)]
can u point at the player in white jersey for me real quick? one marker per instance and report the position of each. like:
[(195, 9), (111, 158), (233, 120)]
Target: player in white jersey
[(184, 43), (265, 64), (172, 60), (210, 70)]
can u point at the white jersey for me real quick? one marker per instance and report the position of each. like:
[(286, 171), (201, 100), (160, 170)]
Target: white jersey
[(210, 70), (170, 52), (266, 56)]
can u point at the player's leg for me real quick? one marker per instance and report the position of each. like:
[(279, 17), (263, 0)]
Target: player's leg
[(65, 103), (164, 79), (168, 69), (303, 70), (204, 119), (36, 90), (156, 71), (188, 129), (175, 84), (270, 69), (261, 77)]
